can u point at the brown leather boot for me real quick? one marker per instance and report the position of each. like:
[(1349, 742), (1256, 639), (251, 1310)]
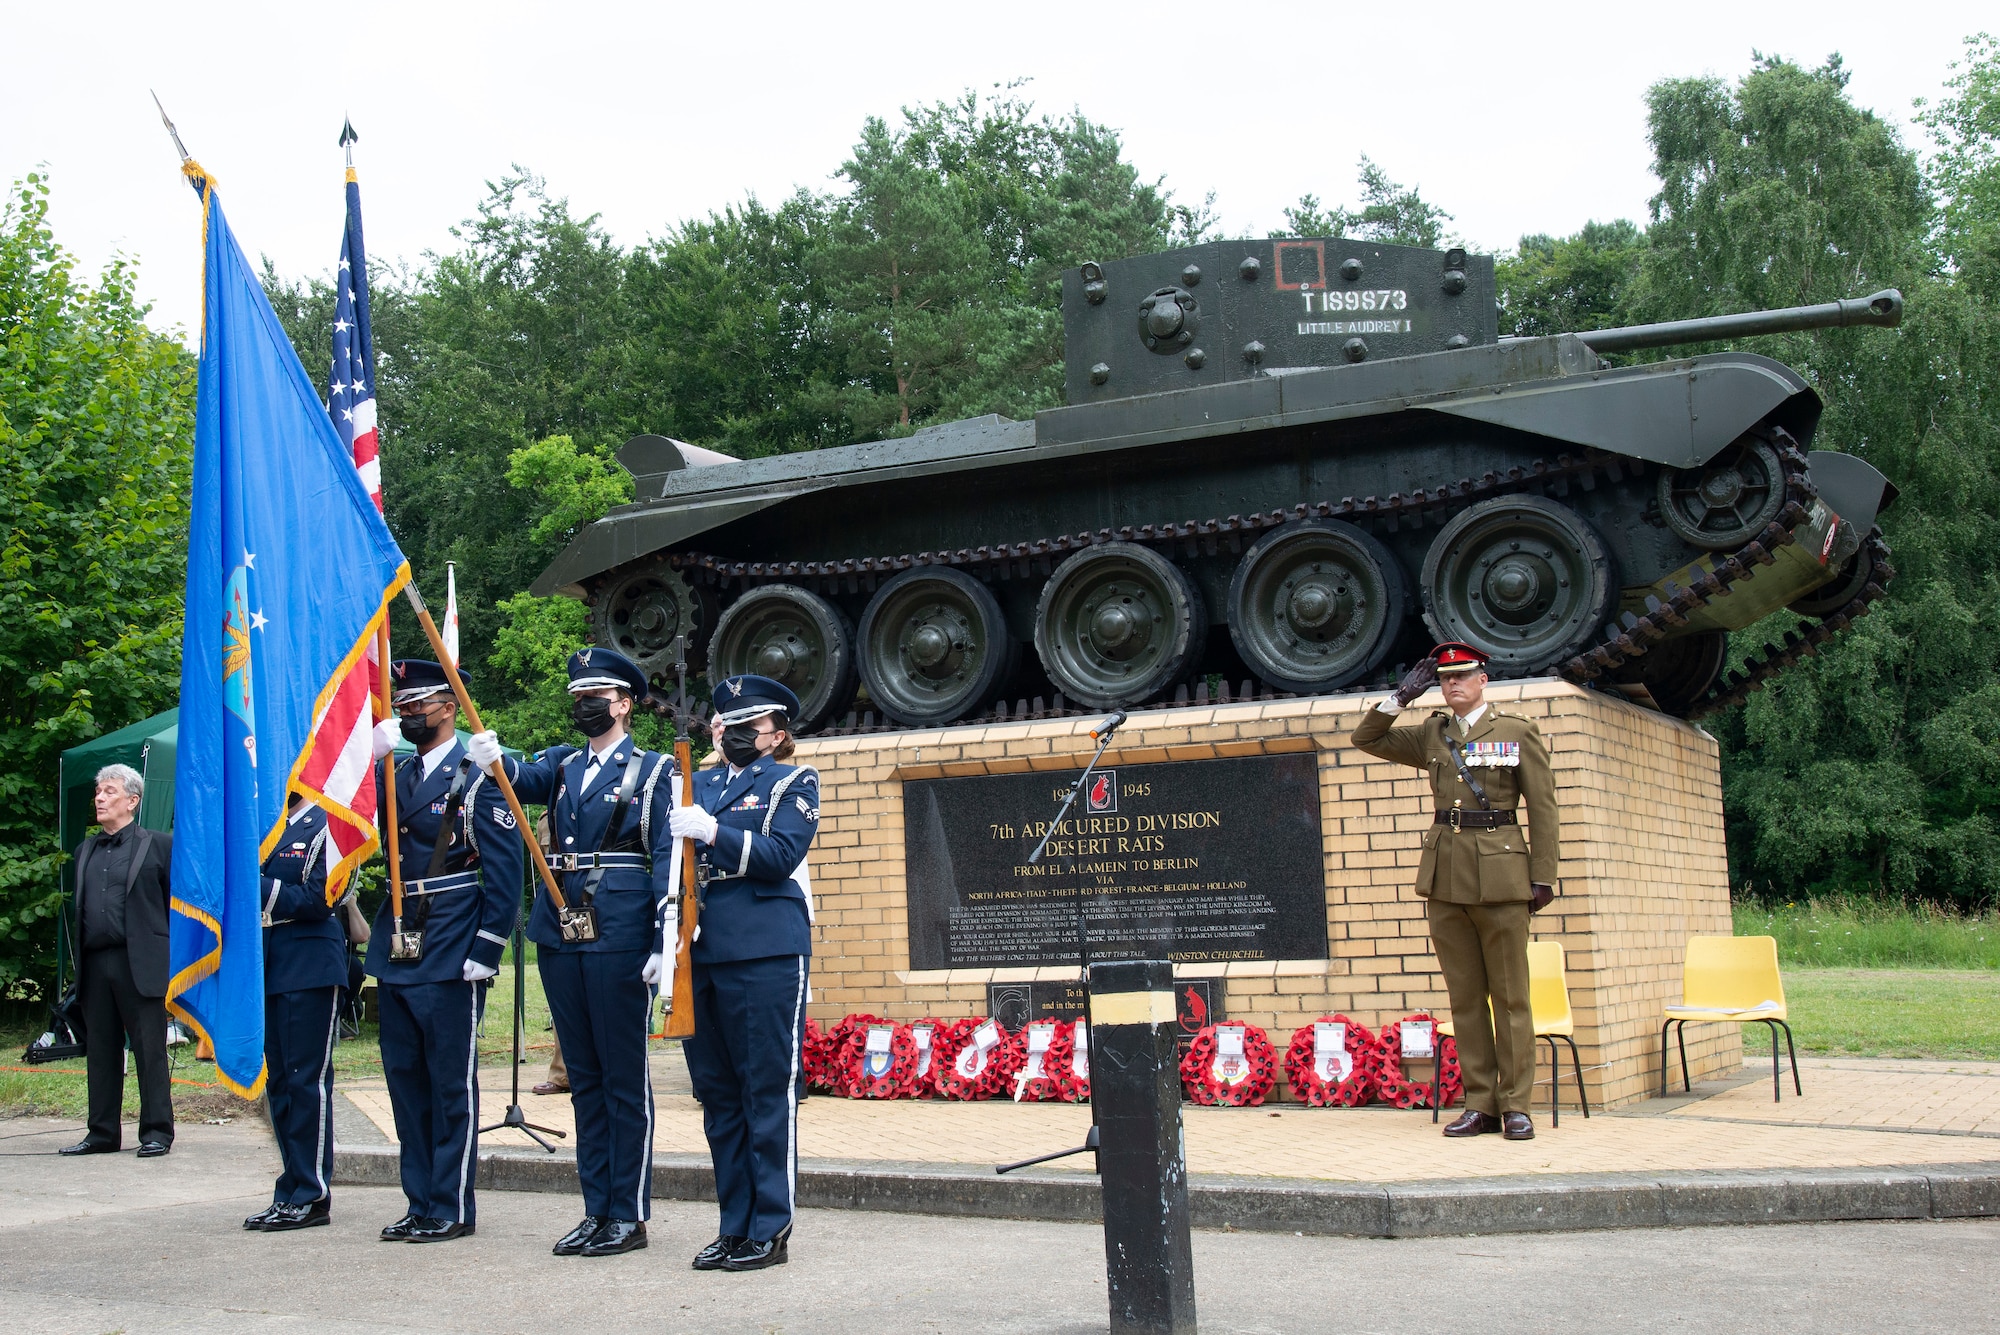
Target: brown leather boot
[(1473, 1123)]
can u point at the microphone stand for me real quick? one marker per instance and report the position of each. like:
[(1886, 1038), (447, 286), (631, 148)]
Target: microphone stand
[(1103, 732), (515, 1120)]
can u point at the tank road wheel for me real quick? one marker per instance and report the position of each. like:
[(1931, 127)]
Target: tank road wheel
[(1118, 624), (647, 613), (1727, 501), (1680, 671), (934, 646), (1522, 578), (1843, 588), (790, 635), (1314, 605)]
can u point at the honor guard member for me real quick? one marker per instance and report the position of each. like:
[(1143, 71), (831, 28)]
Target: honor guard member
[(305, 966), (752, 820), (1480, 876), (601, 954), (460, 851)]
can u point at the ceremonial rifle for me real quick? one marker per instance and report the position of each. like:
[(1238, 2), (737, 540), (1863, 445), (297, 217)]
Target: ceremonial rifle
[(679, 1019)]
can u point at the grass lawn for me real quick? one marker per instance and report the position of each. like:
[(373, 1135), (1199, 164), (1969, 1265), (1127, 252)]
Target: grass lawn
[(1937, 1013)]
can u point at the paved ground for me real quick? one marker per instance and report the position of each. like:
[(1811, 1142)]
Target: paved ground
[(112, 1244), (1855, 1113)]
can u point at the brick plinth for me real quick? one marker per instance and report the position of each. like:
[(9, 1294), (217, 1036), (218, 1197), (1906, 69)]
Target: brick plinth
[(1643, 868)]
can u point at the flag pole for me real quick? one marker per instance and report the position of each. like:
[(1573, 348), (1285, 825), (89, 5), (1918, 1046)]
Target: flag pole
[(499, 770), (389, 788)]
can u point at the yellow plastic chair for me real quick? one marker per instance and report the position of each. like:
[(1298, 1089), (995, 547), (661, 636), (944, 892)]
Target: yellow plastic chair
[(1731, 980), (1548, 1002)]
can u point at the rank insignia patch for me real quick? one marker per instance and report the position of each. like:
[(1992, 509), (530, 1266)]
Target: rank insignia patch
[(504, 818), (809, 812)]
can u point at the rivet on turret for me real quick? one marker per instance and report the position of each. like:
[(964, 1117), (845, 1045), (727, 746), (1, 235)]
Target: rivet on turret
[(1094, 292), (1454, 258), (1195, 358), (1191, 275), (1100, 373), (1454, 282), (1350, 269), (1253, 352), (1458, 341), (1355, 350), (1094, 286), (1250, 269)]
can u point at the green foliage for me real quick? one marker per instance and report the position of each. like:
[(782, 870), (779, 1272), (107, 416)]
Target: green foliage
[(577, 488), (1553, 285), (1389, 212), (1950, 1015), (1872, 934), (1966, 129), (96, 428)]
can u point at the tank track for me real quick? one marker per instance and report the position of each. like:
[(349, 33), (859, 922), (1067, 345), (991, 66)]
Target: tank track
[(1626, 640)]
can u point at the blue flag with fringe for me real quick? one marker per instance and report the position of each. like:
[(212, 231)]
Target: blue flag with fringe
[(290, 570)]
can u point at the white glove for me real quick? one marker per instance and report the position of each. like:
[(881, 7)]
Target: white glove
[(474, 971), (484, 748), (650, 975), (692, 823), (387, 733)]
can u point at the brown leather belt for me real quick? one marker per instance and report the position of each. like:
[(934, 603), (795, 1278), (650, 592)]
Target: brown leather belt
[(1460, 819)]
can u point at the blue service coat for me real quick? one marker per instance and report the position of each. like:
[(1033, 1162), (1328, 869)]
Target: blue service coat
[(751, 907), (304, 942), (631, 901), (471, 922)]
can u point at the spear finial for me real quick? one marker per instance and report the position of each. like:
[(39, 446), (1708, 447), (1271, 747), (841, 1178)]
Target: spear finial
[(178, 145)]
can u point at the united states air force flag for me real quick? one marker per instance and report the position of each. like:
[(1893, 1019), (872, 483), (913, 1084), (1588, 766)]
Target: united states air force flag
[(290, 569)]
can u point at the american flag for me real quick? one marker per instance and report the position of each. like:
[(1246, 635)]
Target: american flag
[(338, 768)]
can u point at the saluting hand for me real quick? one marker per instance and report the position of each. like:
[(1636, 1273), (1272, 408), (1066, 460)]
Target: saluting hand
[(1416, 681), (692, 823)]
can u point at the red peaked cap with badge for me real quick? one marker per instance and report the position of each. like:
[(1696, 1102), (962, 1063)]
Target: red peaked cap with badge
[(1453, 657)]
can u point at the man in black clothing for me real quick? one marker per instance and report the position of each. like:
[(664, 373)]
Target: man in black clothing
[(121, 964)]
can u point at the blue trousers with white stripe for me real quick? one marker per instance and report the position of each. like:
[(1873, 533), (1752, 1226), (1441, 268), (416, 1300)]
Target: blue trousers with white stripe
[(745, 1061), (599, 1003), (298, 1059), (431, 1061)]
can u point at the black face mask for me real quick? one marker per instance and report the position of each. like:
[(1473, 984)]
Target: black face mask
[(416, 728), (591, 714), (739, 744)]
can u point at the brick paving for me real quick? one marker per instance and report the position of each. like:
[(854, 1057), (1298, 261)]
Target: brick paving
[(1855, 1113)]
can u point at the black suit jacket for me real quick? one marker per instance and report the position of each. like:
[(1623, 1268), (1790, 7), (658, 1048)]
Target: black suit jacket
[(145, 909)]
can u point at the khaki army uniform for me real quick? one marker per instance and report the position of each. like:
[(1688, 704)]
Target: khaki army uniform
[(1476, 882)]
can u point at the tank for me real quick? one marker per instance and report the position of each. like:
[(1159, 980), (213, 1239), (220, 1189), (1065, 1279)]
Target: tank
[(1293, 464)]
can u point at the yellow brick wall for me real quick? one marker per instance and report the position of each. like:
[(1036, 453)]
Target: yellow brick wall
[(1643, 868)]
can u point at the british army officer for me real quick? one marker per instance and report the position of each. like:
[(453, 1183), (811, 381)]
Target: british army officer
[(305, 966), (753, 819), (460, 851), (1480, 875), (600, 955)]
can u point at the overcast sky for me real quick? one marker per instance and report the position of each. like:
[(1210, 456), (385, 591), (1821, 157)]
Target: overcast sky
[(1515, 119)]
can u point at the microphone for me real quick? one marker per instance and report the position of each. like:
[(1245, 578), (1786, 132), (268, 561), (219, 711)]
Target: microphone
[(1109, 726)]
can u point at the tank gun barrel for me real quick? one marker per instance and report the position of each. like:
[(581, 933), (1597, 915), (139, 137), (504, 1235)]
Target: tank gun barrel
[(1884, 308)]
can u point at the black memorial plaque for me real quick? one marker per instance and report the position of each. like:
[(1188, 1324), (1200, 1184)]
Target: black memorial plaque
[(1201, 861), (1197, 1003)]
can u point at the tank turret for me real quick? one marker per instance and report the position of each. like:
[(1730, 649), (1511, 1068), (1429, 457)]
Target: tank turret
[(1294, 461)]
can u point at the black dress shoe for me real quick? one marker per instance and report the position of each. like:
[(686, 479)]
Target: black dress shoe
[(617, 1236), (153, 1149), (756, 1255), (88, 1147), (437, 1230), (712, 1256), (573, 1242), (400, 1230), (1516, 1126), (285, 1218), (1473, 1123), (256, 1221)]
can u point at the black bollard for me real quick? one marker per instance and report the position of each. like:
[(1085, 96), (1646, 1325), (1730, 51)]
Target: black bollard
[(1136, 1086)]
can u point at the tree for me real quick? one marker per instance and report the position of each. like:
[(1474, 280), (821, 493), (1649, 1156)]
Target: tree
[(1389, 212), (96, 437), (1553, 285)]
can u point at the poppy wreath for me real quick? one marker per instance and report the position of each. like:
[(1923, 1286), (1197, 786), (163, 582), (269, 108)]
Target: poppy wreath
[(898, 1081), (1046, 1087), (927, 1064), (1072, 1084), (818, 1059), (964, 1074), (1392, 1086), (1304, 1077), (1260, 1069), (851, 1031)]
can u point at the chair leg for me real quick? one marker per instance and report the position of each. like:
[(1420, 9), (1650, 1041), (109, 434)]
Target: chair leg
[(1681, 1034), (1576, 1061), (1663, 1057), (1797, 1088), (1555, 1080)]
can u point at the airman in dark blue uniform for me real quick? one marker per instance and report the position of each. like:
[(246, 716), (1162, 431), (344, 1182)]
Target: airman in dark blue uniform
[(460, 850), (305, 966), (753, 819), (601, 954)]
